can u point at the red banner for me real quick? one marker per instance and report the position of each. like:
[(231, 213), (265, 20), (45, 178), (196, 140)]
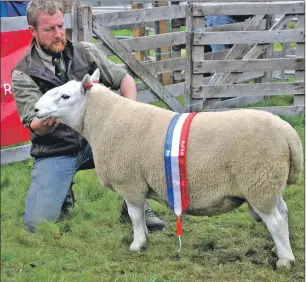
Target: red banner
[(14, 45)]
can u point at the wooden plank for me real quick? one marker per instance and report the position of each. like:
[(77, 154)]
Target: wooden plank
[(257, 50), (251, 65), (20, 23), (256, 89), (164, 66), (71, 7), (247, 76), (197, 54), (268, 52), (84, 23), (247, 8), (154, 41), (249, 37), (138, 32), (141, 15), (238, 102), (191, 104), (277, 110), (73, 33), (218, 55), (163, 53), (240, 26), (244, 77), (106, 36), (300, 51), (176, 49), (16, 154)]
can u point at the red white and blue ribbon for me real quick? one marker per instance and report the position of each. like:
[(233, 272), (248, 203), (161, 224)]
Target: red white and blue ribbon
[(176, 165)]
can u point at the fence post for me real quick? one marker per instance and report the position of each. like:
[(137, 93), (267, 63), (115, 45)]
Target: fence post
[(70, 7), (139, 32), (84, 23), (192, 104), (177, 49), (299, 100), (269, 51), (162, 53)]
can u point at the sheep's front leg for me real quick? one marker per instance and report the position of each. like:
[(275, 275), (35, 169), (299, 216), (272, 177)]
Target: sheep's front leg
[(137, 215)]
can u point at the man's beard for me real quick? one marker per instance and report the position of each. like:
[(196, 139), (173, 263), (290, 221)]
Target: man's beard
[(50, 49)]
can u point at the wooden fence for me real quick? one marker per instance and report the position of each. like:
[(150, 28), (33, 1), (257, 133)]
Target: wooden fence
[(233, 72), (243, 59)]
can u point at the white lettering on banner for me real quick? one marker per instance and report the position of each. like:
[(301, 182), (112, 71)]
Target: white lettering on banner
[(7, 89)]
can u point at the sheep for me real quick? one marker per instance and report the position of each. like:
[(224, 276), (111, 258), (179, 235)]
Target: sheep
[(233, 157)]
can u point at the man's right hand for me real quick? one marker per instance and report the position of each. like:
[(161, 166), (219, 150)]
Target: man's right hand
[(44, 127)]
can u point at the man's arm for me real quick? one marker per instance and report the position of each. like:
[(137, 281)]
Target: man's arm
[(111, 74), (128, 87), (26, 94)]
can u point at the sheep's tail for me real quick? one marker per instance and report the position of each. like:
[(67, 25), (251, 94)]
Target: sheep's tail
[(296, 155)]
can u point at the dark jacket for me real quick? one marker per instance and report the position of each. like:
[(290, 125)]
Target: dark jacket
[(63, 140)]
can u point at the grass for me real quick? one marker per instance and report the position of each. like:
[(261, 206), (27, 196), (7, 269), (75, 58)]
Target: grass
[(91, 244)]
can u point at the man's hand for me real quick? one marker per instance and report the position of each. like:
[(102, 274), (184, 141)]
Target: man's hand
[(44, 127)]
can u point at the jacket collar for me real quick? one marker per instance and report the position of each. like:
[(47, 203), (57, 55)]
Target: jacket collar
[(37, 67), (36, 62)]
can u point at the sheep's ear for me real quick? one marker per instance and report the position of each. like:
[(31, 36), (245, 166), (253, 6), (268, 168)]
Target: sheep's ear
[(86, 83), (95, 77)]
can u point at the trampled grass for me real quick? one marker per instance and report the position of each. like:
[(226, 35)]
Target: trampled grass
[(91, 244)]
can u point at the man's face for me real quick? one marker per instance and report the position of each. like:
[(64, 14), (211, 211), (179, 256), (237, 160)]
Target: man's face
[(50, 32)]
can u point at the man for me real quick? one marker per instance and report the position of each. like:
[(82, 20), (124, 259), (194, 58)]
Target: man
[(58, 151)]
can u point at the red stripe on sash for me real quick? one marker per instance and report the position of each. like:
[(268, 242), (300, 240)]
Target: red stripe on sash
[(183, 161)]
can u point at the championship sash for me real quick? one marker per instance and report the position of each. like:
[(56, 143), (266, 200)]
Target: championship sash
[(176, 165)]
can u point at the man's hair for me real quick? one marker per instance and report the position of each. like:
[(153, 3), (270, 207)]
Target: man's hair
[(36, 7)]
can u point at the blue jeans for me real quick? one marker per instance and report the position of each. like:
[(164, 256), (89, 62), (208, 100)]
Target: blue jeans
[(51, 180), (216, 21)]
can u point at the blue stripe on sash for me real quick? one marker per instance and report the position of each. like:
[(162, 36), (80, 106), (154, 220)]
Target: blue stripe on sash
[(167, 159)]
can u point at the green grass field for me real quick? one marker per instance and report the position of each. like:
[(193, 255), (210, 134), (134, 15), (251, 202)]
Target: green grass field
[(91, 244)]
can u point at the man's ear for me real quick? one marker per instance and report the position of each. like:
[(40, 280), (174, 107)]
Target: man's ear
[(95, 77), (86, 83), (32, 30)]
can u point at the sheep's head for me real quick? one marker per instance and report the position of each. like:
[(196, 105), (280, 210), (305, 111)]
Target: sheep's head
[(67, 102)]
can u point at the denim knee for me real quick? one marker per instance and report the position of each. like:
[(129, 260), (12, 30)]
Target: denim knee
[(212, 21), (51, 181)]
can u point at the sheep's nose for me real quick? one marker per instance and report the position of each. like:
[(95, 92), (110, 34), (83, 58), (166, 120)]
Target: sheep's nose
[(36, 110)]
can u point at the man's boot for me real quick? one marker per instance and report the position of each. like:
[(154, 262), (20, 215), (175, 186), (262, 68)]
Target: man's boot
[(152, 221)]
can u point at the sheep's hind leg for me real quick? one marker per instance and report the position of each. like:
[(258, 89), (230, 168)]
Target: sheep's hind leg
[(137, 215), (278, 227), (282, 207)]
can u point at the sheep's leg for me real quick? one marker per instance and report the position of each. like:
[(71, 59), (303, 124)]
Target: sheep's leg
[(282, 208), (137, 215), (278, 227), (254, 215)]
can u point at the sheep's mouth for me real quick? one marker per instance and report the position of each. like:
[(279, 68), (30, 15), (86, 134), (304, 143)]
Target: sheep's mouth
[(44, 117)]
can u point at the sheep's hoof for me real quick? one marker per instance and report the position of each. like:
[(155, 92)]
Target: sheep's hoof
[(136, 247), (284, 263)]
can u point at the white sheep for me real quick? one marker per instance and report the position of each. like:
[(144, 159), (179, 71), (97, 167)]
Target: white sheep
[(232, 157)]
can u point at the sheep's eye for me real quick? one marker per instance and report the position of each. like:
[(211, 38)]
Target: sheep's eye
[(65, 96)]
